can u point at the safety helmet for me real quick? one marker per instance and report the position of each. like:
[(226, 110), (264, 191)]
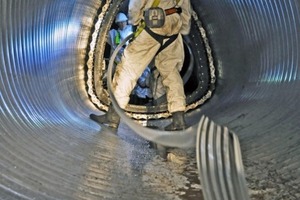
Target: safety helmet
[(121, 17)]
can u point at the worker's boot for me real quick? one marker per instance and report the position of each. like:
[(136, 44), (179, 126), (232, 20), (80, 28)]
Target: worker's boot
[(178, 122), (111, 118)]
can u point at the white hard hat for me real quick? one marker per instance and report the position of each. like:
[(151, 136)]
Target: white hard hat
[(121, 17)]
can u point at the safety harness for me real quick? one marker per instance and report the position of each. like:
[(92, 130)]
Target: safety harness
[(157, 37)]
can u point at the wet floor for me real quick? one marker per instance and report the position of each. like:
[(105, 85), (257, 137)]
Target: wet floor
[(130, 169)]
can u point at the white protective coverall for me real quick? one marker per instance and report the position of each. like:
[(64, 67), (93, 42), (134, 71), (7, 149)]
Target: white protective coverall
[(143, 49), (142, 88), (122, 34)]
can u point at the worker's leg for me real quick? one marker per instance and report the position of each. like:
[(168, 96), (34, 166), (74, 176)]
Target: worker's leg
[(169, 63)]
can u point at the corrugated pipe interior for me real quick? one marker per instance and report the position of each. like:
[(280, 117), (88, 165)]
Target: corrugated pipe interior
[(50, 149)]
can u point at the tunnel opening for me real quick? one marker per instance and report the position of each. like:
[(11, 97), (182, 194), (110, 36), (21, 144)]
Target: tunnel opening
[(198, 71)]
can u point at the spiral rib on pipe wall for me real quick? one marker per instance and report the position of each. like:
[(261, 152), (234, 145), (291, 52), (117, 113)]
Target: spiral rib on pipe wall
[(49, 146), (256, 46)]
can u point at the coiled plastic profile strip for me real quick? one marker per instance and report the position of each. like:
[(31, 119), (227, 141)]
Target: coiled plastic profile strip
[(219, 162)]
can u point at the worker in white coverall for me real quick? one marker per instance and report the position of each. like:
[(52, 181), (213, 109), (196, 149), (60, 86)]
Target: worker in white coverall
[(169, 61), (142, 92), (116, 36)]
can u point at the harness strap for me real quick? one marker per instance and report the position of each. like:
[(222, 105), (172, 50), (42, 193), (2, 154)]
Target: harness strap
[(155, 3), (167, 43), (160, 39), (173, 10)]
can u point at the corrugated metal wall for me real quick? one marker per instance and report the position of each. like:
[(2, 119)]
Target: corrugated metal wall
[(49, 149)]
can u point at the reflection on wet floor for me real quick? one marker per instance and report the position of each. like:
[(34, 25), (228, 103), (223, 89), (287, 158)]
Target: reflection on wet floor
[(126, 159)]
